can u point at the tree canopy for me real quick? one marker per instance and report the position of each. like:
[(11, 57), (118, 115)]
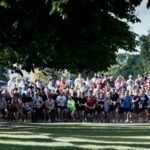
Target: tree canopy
[(65, 34), (128, 64), (145, 51), (133, 63)]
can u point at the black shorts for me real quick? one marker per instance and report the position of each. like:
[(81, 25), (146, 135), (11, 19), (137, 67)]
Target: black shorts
[(121, 110), (143, 108), (77, 107), (26, 111), (43, 106), (81, 108), (62, 107), (89, 111), (2, 111), (113, 107), (14, 109), (99, 109)]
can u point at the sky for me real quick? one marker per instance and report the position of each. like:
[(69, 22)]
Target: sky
[(142, 27), (144, 15)]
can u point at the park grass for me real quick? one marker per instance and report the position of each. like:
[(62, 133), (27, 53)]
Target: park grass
[(74, 136)]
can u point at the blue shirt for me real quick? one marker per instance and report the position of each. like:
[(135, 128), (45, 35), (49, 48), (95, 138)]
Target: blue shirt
[(126, 101)]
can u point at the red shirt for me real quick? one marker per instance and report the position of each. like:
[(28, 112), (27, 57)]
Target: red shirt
[(91, 102)]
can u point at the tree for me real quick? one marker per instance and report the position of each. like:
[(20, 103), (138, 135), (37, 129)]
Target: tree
[(145, 51), (133, 66), (65, 34), (128, 64)]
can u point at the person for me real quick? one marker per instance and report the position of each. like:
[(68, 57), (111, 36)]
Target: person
[(135, 106), (99, 105), (114, 96), (50, 86), (2, 106), (61, 105), (61, 84), (78, 82), (111, 82), (11, 84), (119, 83), (49, 107), (27, 109), (37, 104), (107, 103), (144, 108), (94, 79), (71, 107), (138, 81), (126, 105), (130, 84), (90, 106), (17, 108), (8, 100), (39, 83)]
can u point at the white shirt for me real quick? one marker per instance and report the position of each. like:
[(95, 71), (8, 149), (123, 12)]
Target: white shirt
[(61, 100), (38, 102)]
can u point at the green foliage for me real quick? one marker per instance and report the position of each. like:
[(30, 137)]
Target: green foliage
[(76, 35), (134, 66), (145, 51), (128, 64)]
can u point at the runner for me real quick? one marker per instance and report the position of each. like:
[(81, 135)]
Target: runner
[(144, 110), (71, 108), (126, 105), (3, 106), (90, 107), (135, 106), (61, 106)]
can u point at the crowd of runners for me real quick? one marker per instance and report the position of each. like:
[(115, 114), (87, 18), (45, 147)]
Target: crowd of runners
[(101, 98)]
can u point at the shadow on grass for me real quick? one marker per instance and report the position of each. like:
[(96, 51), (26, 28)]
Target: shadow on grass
[(96, 132), (76, 130), (142, 146), (19, 147), (28, 139)]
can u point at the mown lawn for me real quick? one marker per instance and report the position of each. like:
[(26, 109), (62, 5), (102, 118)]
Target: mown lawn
[(74, 136)]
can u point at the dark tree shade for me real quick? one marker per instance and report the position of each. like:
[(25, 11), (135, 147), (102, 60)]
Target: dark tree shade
[(73, 34)]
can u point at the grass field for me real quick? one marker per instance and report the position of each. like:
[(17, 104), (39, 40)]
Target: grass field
[(74, 136)]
